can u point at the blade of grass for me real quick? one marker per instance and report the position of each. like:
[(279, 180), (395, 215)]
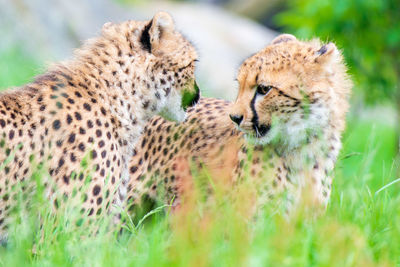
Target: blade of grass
[(386, 186)]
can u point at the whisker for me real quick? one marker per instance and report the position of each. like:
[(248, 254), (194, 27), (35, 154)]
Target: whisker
[(257, 132)]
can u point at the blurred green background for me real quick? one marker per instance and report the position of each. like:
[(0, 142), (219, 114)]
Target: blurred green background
[(35, 32)]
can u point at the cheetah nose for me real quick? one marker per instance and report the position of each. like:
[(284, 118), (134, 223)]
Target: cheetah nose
[(236, 118)]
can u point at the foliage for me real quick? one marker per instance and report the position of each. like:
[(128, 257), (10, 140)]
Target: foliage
[(367, 30)]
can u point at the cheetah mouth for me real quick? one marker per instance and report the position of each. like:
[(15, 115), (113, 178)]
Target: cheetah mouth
[(261, 130)]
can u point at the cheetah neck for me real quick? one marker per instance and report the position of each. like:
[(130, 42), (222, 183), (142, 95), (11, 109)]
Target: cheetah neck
[(129, 91), (310, 142), (311, 165), (319, 147)]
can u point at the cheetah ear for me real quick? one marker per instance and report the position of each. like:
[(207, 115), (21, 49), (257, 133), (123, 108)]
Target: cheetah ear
[(107, 27), (326, 53), (283, 38), (158, 32)]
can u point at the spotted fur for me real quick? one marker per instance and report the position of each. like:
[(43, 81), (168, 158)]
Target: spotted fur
[(287, 125), (80, 121)]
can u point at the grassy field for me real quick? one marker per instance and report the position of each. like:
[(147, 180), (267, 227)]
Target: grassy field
[(360, 228)]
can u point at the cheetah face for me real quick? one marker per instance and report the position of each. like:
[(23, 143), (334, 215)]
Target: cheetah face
[(175, 59), (284, 92), (156, 62)]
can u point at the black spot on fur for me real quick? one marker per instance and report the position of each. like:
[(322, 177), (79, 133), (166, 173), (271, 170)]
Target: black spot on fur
[(61, 162), (90, 124), (81, 147), (87, 106), (66, 179), (78, 116), (96, 190), (133, 169), (11, 134), (69, 119), (56, 124), (71, 138)]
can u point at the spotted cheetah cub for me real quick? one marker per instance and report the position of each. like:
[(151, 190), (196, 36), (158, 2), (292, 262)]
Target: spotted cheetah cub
[(287, 124), (81, 120)]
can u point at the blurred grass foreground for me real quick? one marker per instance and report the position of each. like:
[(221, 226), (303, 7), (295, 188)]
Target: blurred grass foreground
[(361, 226)]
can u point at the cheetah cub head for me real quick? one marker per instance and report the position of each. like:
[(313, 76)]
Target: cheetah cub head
[(164, 63), (290, 92)]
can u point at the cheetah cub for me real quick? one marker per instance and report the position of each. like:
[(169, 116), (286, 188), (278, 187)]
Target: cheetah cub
[(80, 121), (285, 126)]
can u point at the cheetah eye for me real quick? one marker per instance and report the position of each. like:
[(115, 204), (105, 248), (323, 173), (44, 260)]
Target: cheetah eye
[(188, 65), (263, 90)]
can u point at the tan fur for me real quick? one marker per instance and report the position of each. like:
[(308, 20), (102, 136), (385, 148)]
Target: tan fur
[(310, 92), (81, 120)]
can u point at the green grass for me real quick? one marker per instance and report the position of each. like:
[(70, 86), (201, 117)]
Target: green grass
[(361, 226), (17, 67)]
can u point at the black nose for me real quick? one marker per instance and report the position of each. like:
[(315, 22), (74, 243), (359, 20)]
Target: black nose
[(236, 118)]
